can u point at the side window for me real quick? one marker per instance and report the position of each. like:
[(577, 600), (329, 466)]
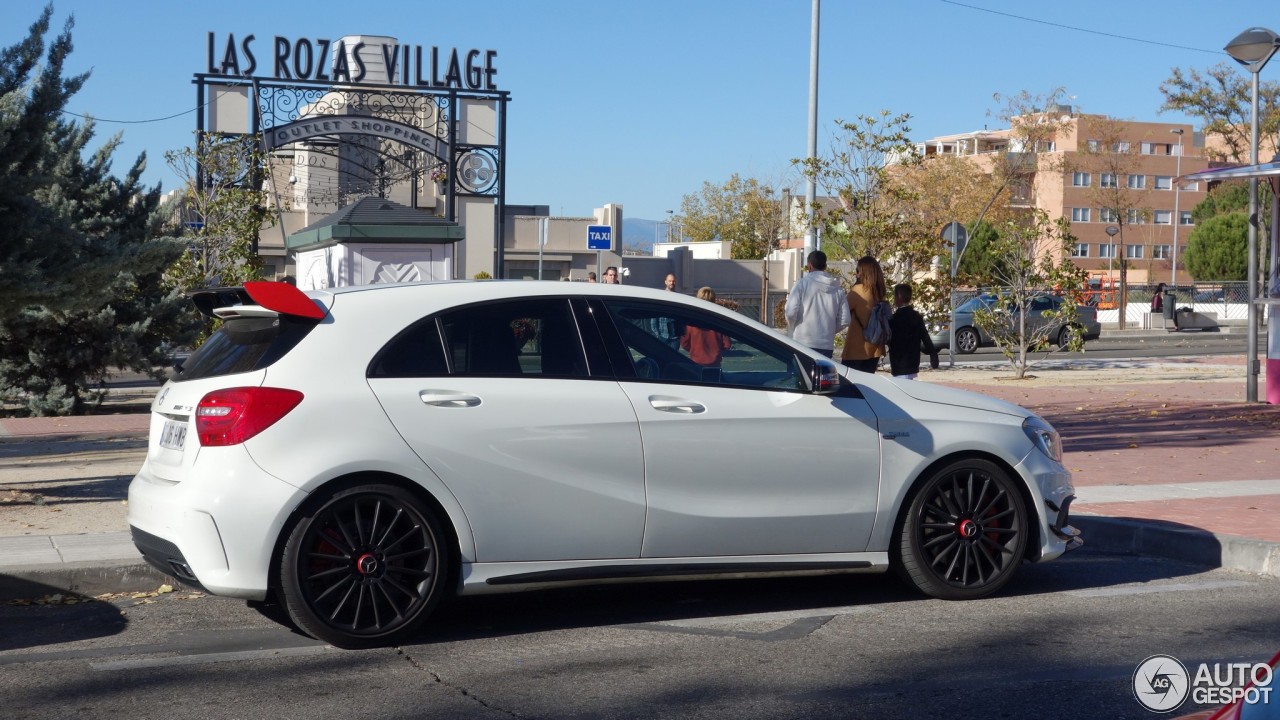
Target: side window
[(671, 343), (415, 352), (525, 337)]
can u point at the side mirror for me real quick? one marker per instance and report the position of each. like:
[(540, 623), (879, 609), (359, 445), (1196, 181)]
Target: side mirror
[(824, 379)]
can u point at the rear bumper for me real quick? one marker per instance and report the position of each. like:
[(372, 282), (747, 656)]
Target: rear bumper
[(217, 528)]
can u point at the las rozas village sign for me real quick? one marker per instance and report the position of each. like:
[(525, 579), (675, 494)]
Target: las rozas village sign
[(307, 59)]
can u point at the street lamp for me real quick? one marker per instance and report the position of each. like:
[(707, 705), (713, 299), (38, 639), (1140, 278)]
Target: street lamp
[(1177, 188), (1252, 49), (670, 215)]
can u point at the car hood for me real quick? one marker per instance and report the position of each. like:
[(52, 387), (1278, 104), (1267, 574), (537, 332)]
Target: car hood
[(943, 395)]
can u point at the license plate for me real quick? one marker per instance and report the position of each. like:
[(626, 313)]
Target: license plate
[(174, 435)]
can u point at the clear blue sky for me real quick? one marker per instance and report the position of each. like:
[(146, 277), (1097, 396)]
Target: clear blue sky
[(640, 102)]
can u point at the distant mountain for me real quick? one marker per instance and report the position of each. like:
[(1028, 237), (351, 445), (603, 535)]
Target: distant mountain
[(638, 234)]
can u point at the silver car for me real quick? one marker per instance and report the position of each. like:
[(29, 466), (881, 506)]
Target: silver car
[(970, 337)]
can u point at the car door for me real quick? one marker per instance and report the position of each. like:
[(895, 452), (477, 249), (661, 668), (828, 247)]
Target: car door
[(740, 459), (542, 454)]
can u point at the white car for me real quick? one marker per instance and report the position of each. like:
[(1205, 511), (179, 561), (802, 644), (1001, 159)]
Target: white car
[(360, 452)]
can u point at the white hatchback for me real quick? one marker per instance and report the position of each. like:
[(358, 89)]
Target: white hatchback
[(361, 452)]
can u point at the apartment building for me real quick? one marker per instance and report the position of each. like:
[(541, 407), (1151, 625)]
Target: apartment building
[(1064, 177)]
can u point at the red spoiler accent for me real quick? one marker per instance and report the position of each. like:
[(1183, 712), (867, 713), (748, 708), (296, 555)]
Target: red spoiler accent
[(283, 298)]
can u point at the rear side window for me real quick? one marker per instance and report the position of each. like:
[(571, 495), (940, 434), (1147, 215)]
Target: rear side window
[(245, 344)]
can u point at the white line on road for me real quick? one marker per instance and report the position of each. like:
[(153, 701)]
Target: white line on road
[(1149, 589), (782, 616), (171, 660)]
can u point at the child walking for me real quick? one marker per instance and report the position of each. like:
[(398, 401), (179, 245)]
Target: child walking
[(909, 336)]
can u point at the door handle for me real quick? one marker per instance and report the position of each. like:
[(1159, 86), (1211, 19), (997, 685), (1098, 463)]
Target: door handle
[(448, 398), (674, 405)]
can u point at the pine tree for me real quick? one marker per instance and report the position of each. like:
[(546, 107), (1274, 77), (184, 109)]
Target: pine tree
[(81, 286)]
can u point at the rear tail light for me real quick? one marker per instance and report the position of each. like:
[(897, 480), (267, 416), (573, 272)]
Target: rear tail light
[(231, 416)]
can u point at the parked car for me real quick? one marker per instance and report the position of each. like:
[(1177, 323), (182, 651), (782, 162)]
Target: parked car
[(970, 337), (361, 452)]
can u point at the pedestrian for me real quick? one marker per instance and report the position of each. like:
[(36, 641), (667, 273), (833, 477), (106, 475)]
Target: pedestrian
[(1157, 300), (868, 290), (705, 345), (664, 327), (669, 282), (816, 307), (591, 276), (611, 276), (909, 338)]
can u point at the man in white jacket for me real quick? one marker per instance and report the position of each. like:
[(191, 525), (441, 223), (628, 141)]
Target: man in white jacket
[(817, 306)]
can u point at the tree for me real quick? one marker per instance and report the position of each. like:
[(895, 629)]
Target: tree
[(223, 198), (1221, 97), (744, 211), (1218, 248), (1030, 257), (89, 235), (873, 215)]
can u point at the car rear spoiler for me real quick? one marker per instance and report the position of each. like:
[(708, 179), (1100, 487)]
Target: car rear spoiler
[(278, 297)]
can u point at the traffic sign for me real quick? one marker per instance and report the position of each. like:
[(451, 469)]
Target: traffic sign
[(958, 236), (599, 237)]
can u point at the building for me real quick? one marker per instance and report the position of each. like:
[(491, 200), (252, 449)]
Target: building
[(1066, 173)]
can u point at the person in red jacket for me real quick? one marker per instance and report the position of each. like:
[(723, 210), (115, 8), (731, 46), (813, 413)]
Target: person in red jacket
[(705, 346)]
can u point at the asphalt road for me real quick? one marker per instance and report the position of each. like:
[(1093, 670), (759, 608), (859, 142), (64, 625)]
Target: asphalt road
[(1064, 640), (1120, 346)]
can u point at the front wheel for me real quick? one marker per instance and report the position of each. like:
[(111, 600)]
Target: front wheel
[(967, 340), (1065, 335), (964, 533), (364, 567)]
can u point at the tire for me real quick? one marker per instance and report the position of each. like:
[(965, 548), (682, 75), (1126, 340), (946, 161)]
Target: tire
[(967, 340), (964, 533), (364, 567), (1064, 335)]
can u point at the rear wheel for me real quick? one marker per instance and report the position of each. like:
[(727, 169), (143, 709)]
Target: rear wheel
[(364, 567), (1065, 335), (965, 532), (967, 340)]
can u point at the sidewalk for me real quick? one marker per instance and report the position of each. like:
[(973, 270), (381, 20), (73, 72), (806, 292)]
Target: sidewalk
[(1167, 459)]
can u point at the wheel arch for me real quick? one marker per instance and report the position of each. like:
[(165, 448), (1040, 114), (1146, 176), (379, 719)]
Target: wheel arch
[(369, 477), (1034, 539)]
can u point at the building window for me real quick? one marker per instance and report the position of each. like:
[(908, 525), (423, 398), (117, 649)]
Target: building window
[(1184, 218), (1107, 180), (1164, 182), (1133, 252), (1080, 214), (1137, 182), (1159, 252), (1120, 147), (1163, 217), (1136, 217), (1081, 250), (1107, 215), (1094, 146), (1046, 146), (1106, 251), (1080, 179), (1191, 186), (1148, 148)]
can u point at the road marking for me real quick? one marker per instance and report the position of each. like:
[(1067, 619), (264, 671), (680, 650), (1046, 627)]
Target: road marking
[(781, 616), (172, 660), (1163, 588), (1097, 494)]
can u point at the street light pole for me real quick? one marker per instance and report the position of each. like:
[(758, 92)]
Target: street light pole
[(1252, 49), (1177, 189)]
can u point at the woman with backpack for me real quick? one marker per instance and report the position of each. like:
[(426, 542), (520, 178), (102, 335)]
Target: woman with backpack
[(861, 353)]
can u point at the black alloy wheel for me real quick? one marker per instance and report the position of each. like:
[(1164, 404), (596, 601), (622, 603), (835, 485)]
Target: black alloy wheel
[(364, 567), (964, 533)]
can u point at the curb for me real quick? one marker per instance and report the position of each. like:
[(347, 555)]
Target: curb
[(87, 579), (1153, 538)]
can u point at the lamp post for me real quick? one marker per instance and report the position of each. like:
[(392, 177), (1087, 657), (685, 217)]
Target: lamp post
[(1252, 49), (670, 215), (1177, 189), (1111, 249)]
